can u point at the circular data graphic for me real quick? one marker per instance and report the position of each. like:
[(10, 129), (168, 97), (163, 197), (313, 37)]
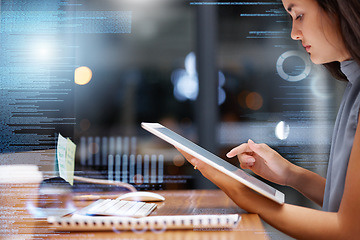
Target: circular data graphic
[(288, 77)]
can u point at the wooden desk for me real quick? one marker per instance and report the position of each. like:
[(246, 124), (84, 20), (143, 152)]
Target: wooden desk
[(178, 202)]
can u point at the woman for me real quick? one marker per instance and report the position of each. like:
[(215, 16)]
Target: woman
[(330, 32)]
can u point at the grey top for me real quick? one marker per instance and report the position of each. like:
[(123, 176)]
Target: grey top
[(343, 137)]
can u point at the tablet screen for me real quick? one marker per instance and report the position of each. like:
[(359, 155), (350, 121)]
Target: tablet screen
[(213, 160)]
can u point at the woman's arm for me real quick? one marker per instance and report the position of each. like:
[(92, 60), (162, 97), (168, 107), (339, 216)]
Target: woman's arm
[(269, 164), (298, 222), (310, 184)]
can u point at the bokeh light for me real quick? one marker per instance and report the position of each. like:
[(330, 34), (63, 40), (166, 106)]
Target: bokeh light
[(241, 98), (93, 148), (186, 82), (254, 101), (178, 160), (85, 124), (138, 179), (82, 75), (282, 130)]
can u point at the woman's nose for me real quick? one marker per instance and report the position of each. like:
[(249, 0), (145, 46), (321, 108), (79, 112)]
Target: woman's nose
[(296, 33)]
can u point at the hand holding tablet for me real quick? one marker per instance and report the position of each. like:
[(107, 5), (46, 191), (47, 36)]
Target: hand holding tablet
[(207, 157)]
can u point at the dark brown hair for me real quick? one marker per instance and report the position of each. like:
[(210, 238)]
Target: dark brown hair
[(347, 13)]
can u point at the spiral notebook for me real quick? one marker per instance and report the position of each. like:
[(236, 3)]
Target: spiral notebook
[(150, 223)]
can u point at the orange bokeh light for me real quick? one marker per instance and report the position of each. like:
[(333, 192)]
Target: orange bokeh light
[(254, 101)]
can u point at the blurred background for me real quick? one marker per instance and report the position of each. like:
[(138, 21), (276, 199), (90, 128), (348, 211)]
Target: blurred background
[(216, 72)]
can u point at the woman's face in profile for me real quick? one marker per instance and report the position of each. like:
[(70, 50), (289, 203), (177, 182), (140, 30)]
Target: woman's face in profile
[(319, 34)]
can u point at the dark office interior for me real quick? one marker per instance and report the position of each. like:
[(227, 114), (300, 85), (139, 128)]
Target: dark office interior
[(218, 74)]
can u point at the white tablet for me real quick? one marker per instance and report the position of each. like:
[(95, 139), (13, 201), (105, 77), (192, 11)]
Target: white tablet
[(213, 160)]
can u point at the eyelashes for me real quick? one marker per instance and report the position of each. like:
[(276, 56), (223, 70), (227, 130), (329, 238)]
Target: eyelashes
[(299, 17)]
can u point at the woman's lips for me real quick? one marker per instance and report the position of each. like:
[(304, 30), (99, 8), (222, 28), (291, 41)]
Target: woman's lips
[(307, 47)]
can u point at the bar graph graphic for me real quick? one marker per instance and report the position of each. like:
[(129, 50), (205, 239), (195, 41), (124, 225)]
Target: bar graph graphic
[(116, 158)]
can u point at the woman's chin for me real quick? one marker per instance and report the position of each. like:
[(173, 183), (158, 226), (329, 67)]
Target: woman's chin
[(317, 60)]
